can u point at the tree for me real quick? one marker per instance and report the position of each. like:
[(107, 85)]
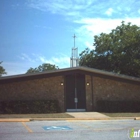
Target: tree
[(118, 51), (42, 68), (2, 70)]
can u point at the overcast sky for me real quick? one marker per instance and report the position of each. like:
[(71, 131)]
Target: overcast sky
[(33, 32)]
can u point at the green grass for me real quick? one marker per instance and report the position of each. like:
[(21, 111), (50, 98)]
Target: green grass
[(122, 114), (51, 115), (63, 115)]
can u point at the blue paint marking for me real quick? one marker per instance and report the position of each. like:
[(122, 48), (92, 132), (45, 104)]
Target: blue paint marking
[(56, 128)]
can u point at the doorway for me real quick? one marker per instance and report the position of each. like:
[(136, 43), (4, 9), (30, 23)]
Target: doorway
[(75, 92)]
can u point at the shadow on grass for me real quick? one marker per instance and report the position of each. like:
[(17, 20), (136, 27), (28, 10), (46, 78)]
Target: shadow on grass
[(122, 114), (49, 115)]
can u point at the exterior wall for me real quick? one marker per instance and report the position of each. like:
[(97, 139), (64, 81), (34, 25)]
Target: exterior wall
[(51, 88), (113, 90), (88, 93), (37, 89)]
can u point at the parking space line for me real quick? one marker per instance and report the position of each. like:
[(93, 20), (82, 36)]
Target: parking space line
[(24, 124)]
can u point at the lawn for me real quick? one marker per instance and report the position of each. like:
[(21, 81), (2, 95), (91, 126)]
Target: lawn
[(53, 115), (122, 114)]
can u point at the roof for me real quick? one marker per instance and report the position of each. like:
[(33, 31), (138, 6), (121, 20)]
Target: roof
[(84, 69)]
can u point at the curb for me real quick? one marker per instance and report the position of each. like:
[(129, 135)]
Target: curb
[(76, 119), (15, 120), (137, 118), (122, 118), (64, 119), (48, 119)]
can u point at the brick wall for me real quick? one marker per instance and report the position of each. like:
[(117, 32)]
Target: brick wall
[(88, 93), (103, 89), (111, 94), (113, 90), (37, 89)]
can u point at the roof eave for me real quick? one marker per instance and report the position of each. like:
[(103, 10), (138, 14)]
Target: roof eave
[(91, 70)]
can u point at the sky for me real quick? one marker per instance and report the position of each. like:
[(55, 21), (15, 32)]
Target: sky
[(33, 32)]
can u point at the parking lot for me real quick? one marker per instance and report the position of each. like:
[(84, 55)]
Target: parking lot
[(68, 130)]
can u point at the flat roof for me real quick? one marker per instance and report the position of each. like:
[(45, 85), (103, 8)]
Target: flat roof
[(86, 69)]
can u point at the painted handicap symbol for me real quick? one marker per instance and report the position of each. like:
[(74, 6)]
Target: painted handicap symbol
[(56, 128)]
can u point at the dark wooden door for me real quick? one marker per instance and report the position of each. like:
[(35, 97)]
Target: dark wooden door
[(75, 88), (80, 84)]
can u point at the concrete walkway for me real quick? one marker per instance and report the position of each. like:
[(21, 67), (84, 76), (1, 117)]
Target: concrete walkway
[(89, 115), (76, 115)]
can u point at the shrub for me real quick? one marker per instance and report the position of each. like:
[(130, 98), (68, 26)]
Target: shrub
[(29, 107), (118, 106)]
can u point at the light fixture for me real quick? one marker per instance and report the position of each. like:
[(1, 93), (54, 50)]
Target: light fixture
[(61, 83), (87, 83)]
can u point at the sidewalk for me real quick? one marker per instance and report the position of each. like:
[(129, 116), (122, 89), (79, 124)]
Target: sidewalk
[(88, 115), (81, 116), (71, 116)]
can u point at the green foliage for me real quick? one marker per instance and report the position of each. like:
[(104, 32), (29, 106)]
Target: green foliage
[(29, 107), (42, 68), (2, 70), (118, 106), (118, 51)]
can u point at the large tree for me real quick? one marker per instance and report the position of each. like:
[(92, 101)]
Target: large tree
[(2, 70), (42, 68), (118, 51)]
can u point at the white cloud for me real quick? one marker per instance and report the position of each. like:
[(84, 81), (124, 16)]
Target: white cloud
[(59, 59), (88, 27), (77, 9), (88, 15), (109, 12), (73, 8), (89, 45), (14, 68), (34, 60), (99, 25), (95, 26), (24, 56)]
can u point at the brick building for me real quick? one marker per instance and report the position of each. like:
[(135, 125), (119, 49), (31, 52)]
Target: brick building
[(76, 89)]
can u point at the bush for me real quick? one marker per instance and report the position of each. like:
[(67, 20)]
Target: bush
[(118, 106), (29, 107)]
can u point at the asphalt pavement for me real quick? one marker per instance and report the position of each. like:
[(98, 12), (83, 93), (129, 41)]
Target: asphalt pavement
[(70, 130)]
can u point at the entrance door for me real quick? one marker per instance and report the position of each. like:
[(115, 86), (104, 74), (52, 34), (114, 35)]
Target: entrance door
[(75, 92)]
